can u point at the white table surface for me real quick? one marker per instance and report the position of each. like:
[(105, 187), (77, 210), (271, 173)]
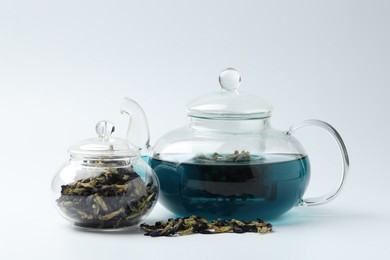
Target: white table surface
[(356, 225)]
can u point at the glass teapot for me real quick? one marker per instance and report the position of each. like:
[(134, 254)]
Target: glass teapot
[(227, 161), (105, 185)]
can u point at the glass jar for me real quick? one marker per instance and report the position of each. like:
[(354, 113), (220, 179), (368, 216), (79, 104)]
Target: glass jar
[(105, 185)]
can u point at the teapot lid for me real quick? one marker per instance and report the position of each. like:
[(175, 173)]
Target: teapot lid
[(229, 103), (104, 146)]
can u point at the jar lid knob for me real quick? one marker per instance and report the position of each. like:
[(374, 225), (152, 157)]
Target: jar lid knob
[(104, 129), (229, 79)]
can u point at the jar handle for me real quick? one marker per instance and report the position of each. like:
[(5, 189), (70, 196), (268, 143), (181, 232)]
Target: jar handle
[(330, 196)]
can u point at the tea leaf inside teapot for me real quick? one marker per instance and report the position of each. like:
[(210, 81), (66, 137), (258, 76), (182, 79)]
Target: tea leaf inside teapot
[(235, 157)]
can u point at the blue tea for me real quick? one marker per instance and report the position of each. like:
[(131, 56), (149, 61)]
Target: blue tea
[(263, 187)]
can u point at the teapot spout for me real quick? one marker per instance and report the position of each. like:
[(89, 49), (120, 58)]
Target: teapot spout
[(138, 128)]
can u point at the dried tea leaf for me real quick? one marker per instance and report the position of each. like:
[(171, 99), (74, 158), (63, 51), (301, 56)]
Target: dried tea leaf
[(116, 198), (237, 156), (195, 224)]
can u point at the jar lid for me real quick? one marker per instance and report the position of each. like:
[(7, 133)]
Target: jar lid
[(104, 146), (229, 103)]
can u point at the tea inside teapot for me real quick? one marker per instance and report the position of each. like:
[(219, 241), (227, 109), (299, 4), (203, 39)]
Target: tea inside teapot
[(249, 188)]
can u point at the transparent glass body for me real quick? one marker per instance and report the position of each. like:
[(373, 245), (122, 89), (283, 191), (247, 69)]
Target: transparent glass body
[(227, 161), (230, 168), (100, 189)]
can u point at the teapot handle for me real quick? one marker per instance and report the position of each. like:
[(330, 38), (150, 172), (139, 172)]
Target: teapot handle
[(138, 128), (345, 160)]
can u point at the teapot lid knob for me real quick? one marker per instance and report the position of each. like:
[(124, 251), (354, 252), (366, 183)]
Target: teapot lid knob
[(104, 129), (229, 79)]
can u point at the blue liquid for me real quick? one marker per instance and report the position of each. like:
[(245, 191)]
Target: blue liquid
[(262, 188)]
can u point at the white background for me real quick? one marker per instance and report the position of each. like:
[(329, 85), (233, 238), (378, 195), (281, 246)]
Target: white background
[(65, 65)]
